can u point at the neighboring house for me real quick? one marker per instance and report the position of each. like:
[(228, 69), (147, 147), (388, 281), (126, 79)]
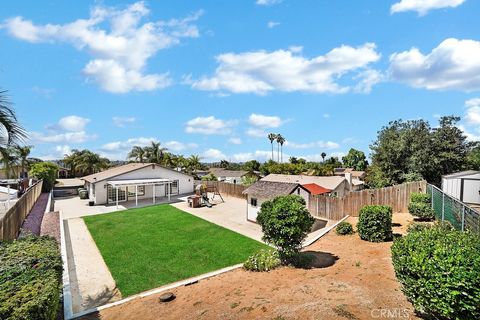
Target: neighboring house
[(15, 172), (275, 185), (463, 186), (231, 176), (136, 181), (360, 175), (63, 172)]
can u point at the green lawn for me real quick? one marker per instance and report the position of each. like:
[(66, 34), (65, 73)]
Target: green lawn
[(148, 247)]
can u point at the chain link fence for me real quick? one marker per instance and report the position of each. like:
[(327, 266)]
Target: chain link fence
[(460, 215)]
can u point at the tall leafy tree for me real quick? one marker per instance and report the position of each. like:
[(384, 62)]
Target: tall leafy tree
[(90, 162), (154, 152), (355, 159), (137, 153)]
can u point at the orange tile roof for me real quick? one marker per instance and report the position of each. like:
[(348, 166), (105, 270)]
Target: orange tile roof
[(315, 189)]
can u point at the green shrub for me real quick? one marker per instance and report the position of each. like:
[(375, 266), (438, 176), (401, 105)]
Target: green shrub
[(285, 223), (439, 269), (375, 223), (416, 227), (263, 260), (46, 171), (419, 197), (421, 210), (344, 228), (30, 277)]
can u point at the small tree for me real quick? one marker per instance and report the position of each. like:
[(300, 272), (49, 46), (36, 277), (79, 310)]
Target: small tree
[(209, 177), (285, 223), (45, 171)]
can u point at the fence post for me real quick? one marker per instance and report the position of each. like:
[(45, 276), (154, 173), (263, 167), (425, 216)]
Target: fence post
[(443, 206), (463, 217)]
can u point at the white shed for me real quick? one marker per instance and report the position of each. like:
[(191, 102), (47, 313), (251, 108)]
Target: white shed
[(463, 186)]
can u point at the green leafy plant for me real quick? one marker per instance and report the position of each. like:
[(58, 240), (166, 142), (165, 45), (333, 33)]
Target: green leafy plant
[(375, 223), (439, 269), (45, 171), (344, 228), (30, 277), (263, 260), (419, 197), (285, 223), (421, 210)]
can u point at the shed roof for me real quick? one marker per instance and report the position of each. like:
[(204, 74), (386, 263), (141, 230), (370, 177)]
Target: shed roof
[(220, 172), (328, 182), (270, 189), (315, 189), (461, 174)]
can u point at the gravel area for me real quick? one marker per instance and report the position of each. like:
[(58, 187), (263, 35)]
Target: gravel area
[(51, 225), (33, 222)]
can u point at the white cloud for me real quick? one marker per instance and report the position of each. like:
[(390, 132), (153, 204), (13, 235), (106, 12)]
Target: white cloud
[(272, 24), (261, 72), (263, 121), (256, 133), (316, 144), (471, 136), (423, 6), (454, 64), (209, 125), (326, 115), (213, 155), (472, 115), (128, 144), (177, 146), (117, 40), (58, 152), (235, 140), (123, 121), (65, 137), (73, 123), (267, 2)]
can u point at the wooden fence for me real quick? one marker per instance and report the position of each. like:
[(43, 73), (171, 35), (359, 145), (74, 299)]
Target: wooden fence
[(227, 189), (12, 220), (397, 197)]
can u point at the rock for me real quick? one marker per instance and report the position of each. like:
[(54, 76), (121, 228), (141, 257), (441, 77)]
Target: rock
[(166, 297)]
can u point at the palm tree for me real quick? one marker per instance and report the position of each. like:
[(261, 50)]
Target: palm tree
[(8, 159), (11, 132), (193, 163), (272, 137), (137, 153), (71, 160), (23, 153), (280, 141), (91, 162), (154, 153), (323, 156)]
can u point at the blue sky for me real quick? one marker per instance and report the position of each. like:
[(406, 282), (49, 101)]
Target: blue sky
[(213, 77)]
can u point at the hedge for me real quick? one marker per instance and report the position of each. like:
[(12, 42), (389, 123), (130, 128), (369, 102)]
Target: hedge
[(421, 210), (375, 223), (419, 197), (344, 228), (439, 269), (30, 277)]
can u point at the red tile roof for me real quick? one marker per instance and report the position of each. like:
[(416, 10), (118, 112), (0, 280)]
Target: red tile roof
[(315, 189)]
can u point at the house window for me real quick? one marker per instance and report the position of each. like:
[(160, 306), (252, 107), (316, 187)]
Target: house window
[(112, 194), (140, 190), (174, 187), (253, 202)]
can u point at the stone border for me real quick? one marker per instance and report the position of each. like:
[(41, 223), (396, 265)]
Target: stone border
[(324, 232), (67, 295)]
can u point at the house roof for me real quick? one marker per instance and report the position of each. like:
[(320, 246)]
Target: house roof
[(328, 182), (461, 174), (270, 189), (220, 172), (116, 171), (355, 173), (315, 189)]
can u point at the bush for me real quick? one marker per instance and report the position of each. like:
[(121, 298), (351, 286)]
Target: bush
[(45, 171), (375, 223), (344, 228), (418, 197), (439, 269), (285, 223), (416, 227), (263, 260), (30, 277), (421, 210)]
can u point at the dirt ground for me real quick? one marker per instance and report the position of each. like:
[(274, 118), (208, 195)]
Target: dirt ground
[(352, 279)]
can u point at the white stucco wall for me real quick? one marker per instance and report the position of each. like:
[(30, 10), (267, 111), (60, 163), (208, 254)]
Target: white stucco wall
[(185, 183), (471, 188), (252, 211)]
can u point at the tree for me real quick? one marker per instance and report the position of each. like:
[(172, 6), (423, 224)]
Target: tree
[(45, 171), (272, 137), (11, 132), (209, 177), (249, 179), (323, 155), (193, 163), (280, 141), (23, 153), (251, 166), (355, 159), (285, 223), (8, 158), (473, 157), (154, 153), (137, 153), (90, 162)]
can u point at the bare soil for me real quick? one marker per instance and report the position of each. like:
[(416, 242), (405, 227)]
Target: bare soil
[(350, 279)]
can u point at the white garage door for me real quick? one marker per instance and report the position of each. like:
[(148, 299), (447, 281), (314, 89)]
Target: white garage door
[(471, 191)]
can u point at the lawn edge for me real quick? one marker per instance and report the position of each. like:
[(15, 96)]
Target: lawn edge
[(156, 290)]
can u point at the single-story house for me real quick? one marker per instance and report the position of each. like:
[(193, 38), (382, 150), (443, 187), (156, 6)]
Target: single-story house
[(463, 186), (231, 176), (360, 175), (136, 181)]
